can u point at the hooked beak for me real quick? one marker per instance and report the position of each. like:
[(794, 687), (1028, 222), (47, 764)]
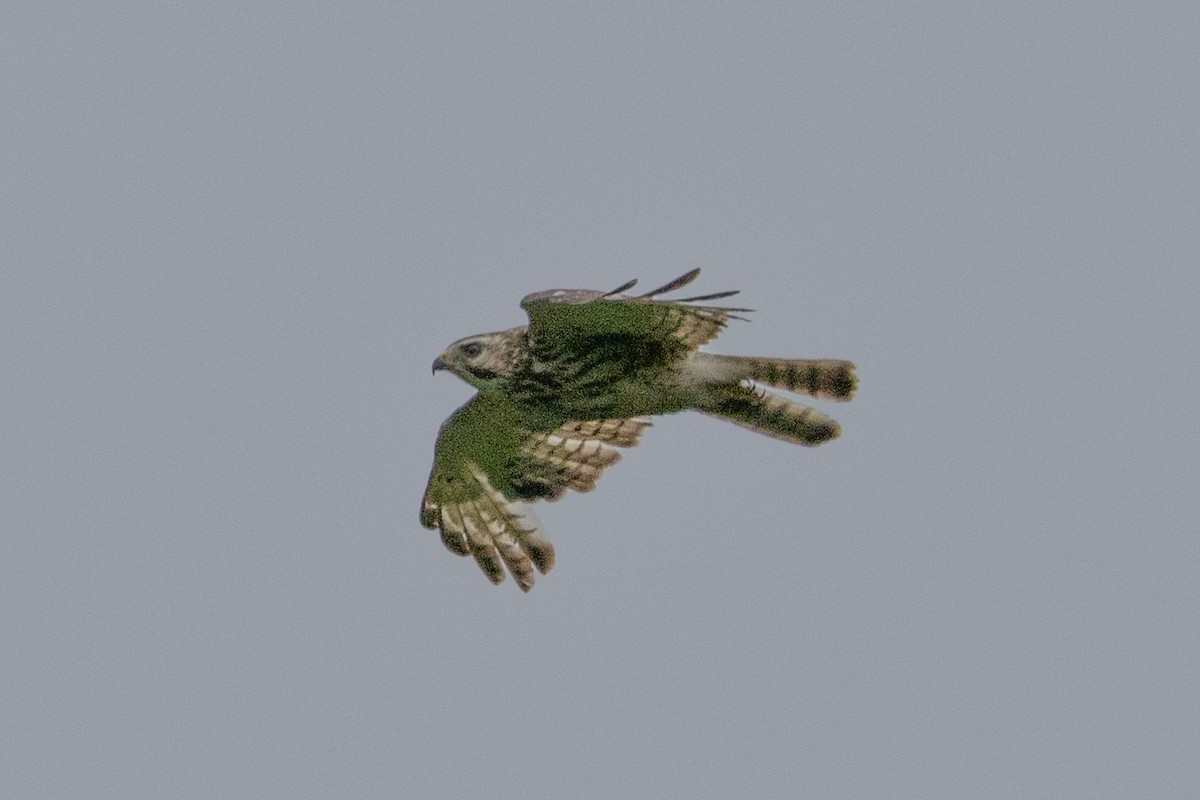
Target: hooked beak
[(438, 363)]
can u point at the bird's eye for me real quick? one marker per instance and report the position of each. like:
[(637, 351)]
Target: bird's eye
[(471, 349)]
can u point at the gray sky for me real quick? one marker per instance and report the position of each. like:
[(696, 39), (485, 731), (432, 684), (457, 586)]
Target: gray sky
[(234, 240)]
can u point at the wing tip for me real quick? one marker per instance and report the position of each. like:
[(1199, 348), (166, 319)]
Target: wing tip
[(680, 282), (429, 516)]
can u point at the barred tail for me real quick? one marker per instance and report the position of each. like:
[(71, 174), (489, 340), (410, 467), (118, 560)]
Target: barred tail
[(824, 378), (759, 410), (827, 379)]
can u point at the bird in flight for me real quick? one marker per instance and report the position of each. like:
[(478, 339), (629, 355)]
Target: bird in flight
[(558, 396)]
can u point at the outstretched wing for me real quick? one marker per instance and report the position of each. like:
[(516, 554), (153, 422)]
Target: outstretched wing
[(488, 463), (572, 321)]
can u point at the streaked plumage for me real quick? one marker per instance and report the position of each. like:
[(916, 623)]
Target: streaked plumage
[(557, 398)]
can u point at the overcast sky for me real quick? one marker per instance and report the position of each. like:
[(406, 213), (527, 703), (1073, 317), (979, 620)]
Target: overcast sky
[(234, 239)]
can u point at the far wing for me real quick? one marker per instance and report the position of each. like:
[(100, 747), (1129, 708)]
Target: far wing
[(488, 465), (572, 319)]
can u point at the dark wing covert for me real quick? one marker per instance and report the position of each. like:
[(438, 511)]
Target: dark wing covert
[(569, 318)]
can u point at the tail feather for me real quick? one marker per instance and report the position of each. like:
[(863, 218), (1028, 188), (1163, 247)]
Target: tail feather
[(770, 414), (827, 379)]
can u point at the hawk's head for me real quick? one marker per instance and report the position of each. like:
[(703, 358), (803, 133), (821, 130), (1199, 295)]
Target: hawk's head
[(480, 360)]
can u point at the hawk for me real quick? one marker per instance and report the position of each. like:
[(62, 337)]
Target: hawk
[(558, 396)]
